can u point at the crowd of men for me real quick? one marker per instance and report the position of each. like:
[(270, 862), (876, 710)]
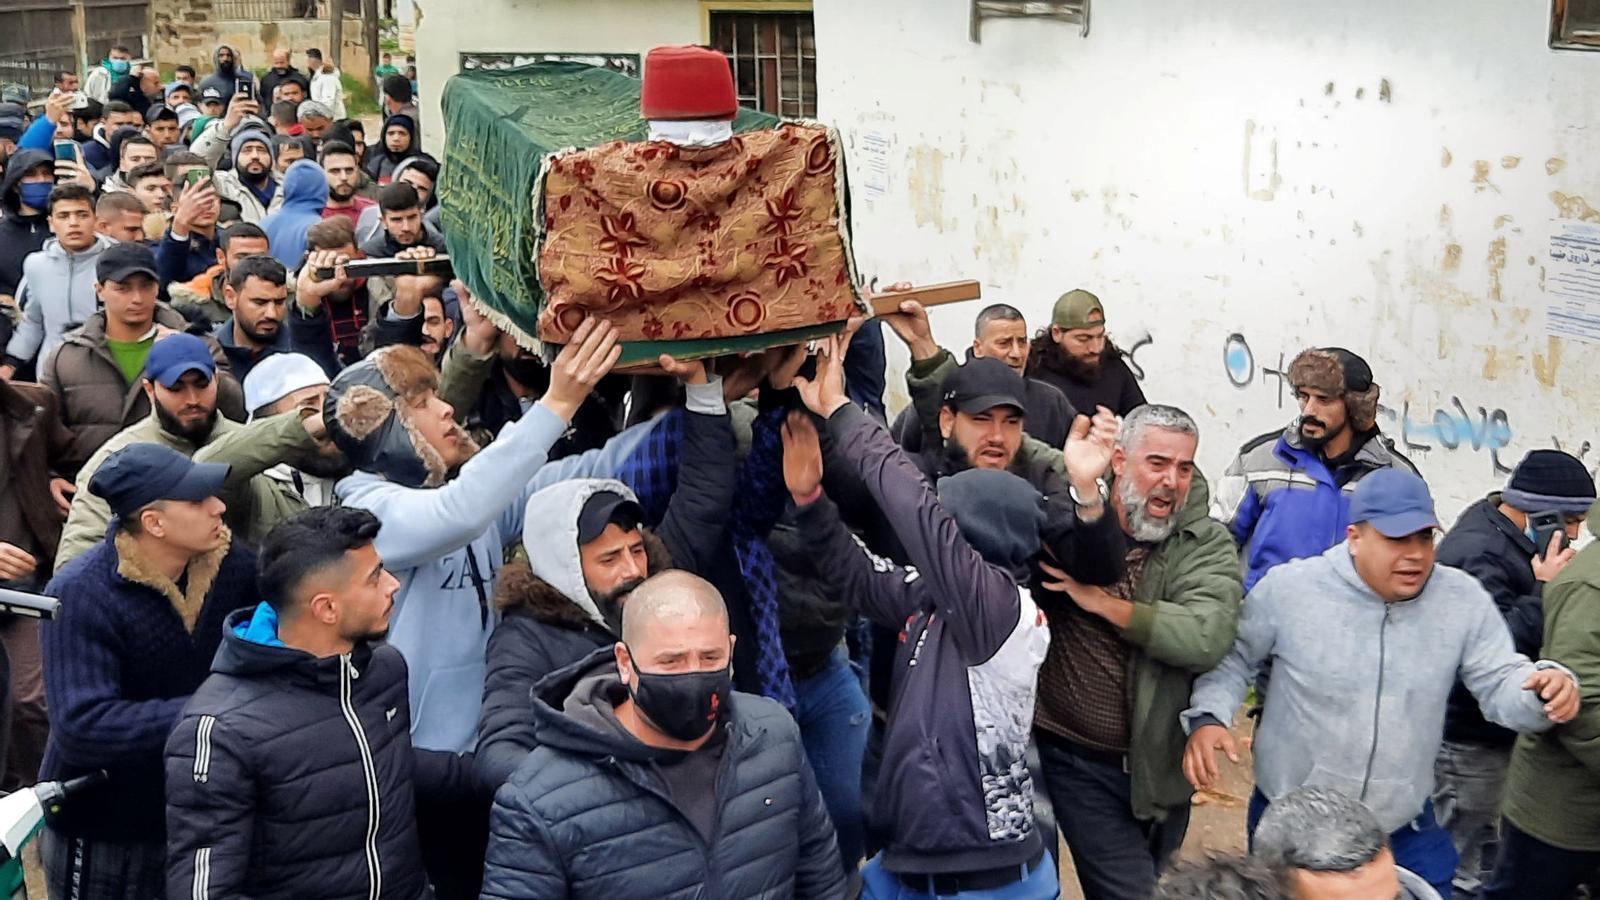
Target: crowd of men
[(360, 598)]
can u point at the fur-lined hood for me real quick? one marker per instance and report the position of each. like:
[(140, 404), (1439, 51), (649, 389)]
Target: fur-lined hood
[(202, 572), (368, 412), (518, 590)]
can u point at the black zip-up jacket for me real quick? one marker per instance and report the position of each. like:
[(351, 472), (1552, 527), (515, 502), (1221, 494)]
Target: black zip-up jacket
[(19, 234), (1486, 545), (971, 641), (292, 777), (590, 816)]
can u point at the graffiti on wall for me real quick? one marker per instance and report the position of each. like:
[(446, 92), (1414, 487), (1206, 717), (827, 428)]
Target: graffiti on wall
[(1453, 425)]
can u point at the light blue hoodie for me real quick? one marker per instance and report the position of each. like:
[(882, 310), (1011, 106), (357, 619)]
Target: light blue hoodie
[(56, 295), (444, 544), (1359, 685), (305, 193)]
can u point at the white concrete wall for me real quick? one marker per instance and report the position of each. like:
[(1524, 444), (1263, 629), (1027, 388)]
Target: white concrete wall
[(448, 28), (1375, 174)]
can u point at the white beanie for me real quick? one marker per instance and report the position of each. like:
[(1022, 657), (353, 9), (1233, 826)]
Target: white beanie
[(278, 376)]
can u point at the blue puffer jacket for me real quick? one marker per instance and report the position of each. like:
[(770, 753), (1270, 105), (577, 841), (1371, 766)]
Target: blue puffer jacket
[(1283, 502), (589, 816)]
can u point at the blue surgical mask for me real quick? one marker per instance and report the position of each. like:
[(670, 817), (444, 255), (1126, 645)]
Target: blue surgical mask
[(120, 66), (1533, 536), (36, 193)]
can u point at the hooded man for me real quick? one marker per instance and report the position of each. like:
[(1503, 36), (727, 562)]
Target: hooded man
[(228, 72), (399, 142), (25, 200), (449, 509), (1495, 542), (252, 183), (305, 193), (957, 799), (1077, 357), (590, 553), (1287, 494)]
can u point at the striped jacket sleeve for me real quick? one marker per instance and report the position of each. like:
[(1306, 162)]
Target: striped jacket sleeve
[(210, 806)]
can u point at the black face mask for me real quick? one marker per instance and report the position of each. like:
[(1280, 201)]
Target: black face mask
[(685, 705)]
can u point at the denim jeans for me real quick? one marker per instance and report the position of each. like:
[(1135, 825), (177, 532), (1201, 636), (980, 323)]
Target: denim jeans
[(833, 716), (1467, 783), (1419, 846), (1041, 883)]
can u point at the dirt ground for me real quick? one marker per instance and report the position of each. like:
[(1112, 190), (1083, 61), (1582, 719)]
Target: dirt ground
[(1216, 824)]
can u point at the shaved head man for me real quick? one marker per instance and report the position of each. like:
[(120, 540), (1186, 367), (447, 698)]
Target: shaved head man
[(676, 657)]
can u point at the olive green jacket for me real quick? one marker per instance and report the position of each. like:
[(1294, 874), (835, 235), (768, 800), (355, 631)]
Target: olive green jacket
[(255, 501), (1553, 787)]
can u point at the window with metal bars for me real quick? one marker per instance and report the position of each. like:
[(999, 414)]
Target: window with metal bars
[(1575, 24), (1074, 11), (774, 57)]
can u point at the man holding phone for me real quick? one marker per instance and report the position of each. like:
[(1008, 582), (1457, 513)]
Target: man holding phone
[(1513, 542), (189, 247)]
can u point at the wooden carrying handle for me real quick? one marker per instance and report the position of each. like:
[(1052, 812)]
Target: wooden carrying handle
[(930, 295)]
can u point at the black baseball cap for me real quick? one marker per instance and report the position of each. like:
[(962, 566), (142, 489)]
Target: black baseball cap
[(140, 474), (158, 112), (984, 383), (605, 507), (119, 261)]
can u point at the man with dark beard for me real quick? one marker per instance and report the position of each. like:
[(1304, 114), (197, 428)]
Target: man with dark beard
[(1315, 463), (1122, 657), (252, 184), (181, 380), (588, 554), (1075, 355), (257, 293)]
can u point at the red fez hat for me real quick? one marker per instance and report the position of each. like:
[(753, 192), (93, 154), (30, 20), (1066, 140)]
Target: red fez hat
[(687, 82)]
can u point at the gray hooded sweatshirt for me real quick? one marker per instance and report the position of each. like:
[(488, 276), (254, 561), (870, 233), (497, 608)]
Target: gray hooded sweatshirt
[(56, 295), (1359, 685)]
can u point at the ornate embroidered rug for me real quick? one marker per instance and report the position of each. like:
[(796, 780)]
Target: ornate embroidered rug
[(690, 252)]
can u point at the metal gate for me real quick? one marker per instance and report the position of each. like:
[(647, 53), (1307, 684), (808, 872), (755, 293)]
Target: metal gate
[(36, 36)]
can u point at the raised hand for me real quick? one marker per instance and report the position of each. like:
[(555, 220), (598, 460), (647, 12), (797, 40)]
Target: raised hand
[(824, 394), (802, 458), (1089, 446), (911, 325), (581, 364), (479, 334)]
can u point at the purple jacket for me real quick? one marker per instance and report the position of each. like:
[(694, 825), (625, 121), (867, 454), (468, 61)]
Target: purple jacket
[(955, 795)]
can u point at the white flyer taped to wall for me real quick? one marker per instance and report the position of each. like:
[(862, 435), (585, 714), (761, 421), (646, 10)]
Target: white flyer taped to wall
[(874, 165), (1572, 281)]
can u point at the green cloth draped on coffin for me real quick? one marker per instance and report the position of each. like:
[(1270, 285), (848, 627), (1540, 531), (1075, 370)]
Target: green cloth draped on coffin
[(501, 124)]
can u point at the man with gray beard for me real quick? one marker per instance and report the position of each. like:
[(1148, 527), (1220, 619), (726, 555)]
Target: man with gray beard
[(1123, 656)]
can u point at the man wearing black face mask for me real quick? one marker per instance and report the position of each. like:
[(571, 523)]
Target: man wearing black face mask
[(664, 747), (588, 555)]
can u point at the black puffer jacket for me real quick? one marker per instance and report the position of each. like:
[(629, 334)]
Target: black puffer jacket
[(1486, 545), (589, 815), (291, 776)]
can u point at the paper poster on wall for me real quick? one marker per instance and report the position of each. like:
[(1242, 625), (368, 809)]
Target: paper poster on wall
[(874, 162), (1572, 281)]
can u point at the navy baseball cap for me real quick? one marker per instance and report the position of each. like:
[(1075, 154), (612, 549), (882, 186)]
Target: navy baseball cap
[(177, 355), (1395, 502), (984, 383), (141, 474)]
